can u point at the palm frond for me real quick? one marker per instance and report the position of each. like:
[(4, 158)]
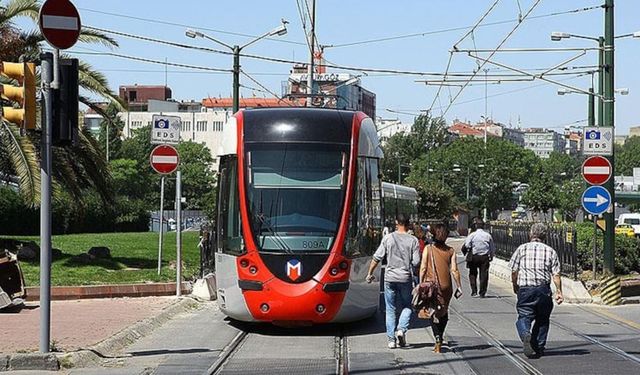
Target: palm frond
[(19, 8), (24, 160), (96, 37), (96, 83)]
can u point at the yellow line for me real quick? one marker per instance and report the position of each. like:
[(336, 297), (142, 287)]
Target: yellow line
[(618, 318)]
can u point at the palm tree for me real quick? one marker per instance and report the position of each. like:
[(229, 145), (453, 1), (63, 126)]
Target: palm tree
[(77, 167)]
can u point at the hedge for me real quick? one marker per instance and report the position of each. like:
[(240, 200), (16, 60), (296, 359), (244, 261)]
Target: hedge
[(627, 250)]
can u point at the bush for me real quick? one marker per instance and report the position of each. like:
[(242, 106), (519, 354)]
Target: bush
[(627, 250), (15, 216)]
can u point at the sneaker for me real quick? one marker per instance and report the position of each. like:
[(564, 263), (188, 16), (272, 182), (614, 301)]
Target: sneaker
[(391, 344), (402, 339), (526, 346), (474, 294)]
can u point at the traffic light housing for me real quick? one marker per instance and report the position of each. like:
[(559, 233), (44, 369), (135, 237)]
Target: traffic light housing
[(65, 104), (24, 94)]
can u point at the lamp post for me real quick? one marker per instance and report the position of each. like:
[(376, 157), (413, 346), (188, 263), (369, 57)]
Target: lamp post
[(605, 111), (278, 31)]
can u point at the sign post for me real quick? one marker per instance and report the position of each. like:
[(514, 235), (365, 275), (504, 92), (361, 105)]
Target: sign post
[(161, 220), (59, 23)]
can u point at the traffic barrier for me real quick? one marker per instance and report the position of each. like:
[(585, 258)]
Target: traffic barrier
[(611, 291)]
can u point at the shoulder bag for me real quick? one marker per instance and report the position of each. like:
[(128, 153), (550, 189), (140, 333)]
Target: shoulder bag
[(425, 294)]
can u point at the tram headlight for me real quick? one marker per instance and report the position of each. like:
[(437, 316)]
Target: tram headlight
[(264, 307), (244, 263), (343, 265), (320, 309), (253, 270), (333, 271)]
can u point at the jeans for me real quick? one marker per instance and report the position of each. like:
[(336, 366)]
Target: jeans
[(397, 300), (438, 328), (479, 262), (534, 304)]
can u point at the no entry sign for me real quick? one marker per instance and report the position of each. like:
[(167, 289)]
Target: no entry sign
[(60, 23), (596, 170), (164, 159)]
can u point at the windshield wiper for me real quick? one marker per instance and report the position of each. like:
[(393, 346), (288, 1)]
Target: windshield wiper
[(276, 238)]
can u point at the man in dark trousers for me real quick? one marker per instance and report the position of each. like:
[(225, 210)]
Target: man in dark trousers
[(533, 265), (482, 248)]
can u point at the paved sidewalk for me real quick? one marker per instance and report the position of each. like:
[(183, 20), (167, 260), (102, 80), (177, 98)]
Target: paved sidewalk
[(75, 324)]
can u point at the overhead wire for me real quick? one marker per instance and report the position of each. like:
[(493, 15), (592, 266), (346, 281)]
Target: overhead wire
[(143, 59), (160, 22), (459, 28), (504, 40), (265, 88)]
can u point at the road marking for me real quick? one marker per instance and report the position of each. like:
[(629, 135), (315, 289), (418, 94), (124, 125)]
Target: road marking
[(618, 318)]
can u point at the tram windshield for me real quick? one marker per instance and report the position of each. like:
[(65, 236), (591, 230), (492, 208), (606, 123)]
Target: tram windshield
[(295, 195)]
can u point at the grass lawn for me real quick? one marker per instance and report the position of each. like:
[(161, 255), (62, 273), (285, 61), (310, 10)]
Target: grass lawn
[(134, 259)]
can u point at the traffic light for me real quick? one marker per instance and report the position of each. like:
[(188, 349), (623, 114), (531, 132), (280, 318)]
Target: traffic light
[(65, 104), (24, 95)]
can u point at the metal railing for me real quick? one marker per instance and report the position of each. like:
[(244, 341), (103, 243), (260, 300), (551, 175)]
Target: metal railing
[(562, 238)]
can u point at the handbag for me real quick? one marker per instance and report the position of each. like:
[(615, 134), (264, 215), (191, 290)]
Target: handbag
[(425, 295)]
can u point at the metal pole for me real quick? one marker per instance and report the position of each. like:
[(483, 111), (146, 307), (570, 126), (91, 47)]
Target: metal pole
[(161, 224), (312, 42), (485, 108), (178, 234), (595, 245), (399, 173), (601, 82), (45, 203), (609, 234), (107, 137), (236, 78), (468, 182), (592, 109)]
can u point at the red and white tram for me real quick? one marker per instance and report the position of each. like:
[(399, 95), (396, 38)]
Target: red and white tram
[(299, 216)]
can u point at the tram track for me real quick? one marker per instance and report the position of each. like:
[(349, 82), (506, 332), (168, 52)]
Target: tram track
[(517, 361), (342, 353), (608, 347), (227, 353)]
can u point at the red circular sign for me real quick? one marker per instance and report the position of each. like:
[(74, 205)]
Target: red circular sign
[(60, 23), (164, 159), (596, 170)]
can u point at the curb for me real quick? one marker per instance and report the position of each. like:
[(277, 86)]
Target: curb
[(59, 293), (96, 353), (30, 361)]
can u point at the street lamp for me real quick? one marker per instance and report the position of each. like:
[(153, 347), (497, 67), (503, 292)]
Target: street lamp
[(278, 31)]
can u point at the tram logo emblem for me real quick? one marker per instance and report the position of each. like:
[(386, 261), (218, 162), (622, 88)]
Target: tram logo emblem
[(294, 269)]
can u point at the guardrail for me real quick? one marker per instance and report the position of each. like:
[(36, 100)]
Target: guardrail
[(562, 238)]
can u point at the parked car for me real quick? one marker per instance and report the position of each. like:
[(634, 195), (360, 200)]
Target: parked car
[(631, 219), (625, 229)]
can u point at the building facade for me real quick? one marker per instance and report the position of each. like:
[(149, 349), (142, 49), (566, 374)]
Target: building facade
[(138, 96), (543, 142), (388, 127)]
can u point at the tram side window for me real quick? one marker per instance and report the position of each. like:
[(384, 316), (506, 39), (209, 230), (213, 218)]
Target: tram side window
[(364, 224), (229, 225)]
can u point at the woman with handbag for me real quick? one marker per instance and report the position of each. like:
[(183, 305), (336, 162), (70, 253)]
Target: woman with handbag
[(437, 266)]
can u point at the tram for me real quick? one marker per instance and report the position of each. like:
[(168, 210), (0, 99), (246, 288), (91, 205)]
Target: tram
[(299, 216)]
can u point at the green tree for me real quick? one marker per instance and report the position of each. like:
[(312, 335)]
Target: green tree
[(127, 179), (542, 194), (569, 197), (198, 179), (628, 157), (74, 167)]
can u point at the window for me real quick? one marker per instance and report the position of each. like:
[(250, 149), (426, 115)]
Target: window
[(133, 96), (187, 125), (229, 224), (148, 123), (365, 222), (201, 126), (295, 195)]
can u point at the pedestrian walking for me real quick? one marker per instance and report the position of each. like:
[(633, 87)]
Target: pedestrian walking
[(401, 252), (439, 264), (479, 249), (533, 265)]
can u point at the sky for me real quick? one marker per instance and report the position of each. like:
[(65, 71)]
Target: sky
[(529, 104)]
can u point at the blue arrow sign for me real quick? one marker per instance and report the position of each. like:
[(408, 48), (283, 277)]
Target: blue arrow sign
[(596, 200)]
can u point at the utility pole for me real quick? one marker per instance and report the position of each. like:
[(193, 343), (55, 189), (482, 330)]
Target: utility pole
[(236, 78), (312, 42), (609, 234)]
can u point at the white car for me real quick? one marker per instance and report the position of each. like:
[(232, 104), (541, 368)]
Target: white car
[(631, 219)]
